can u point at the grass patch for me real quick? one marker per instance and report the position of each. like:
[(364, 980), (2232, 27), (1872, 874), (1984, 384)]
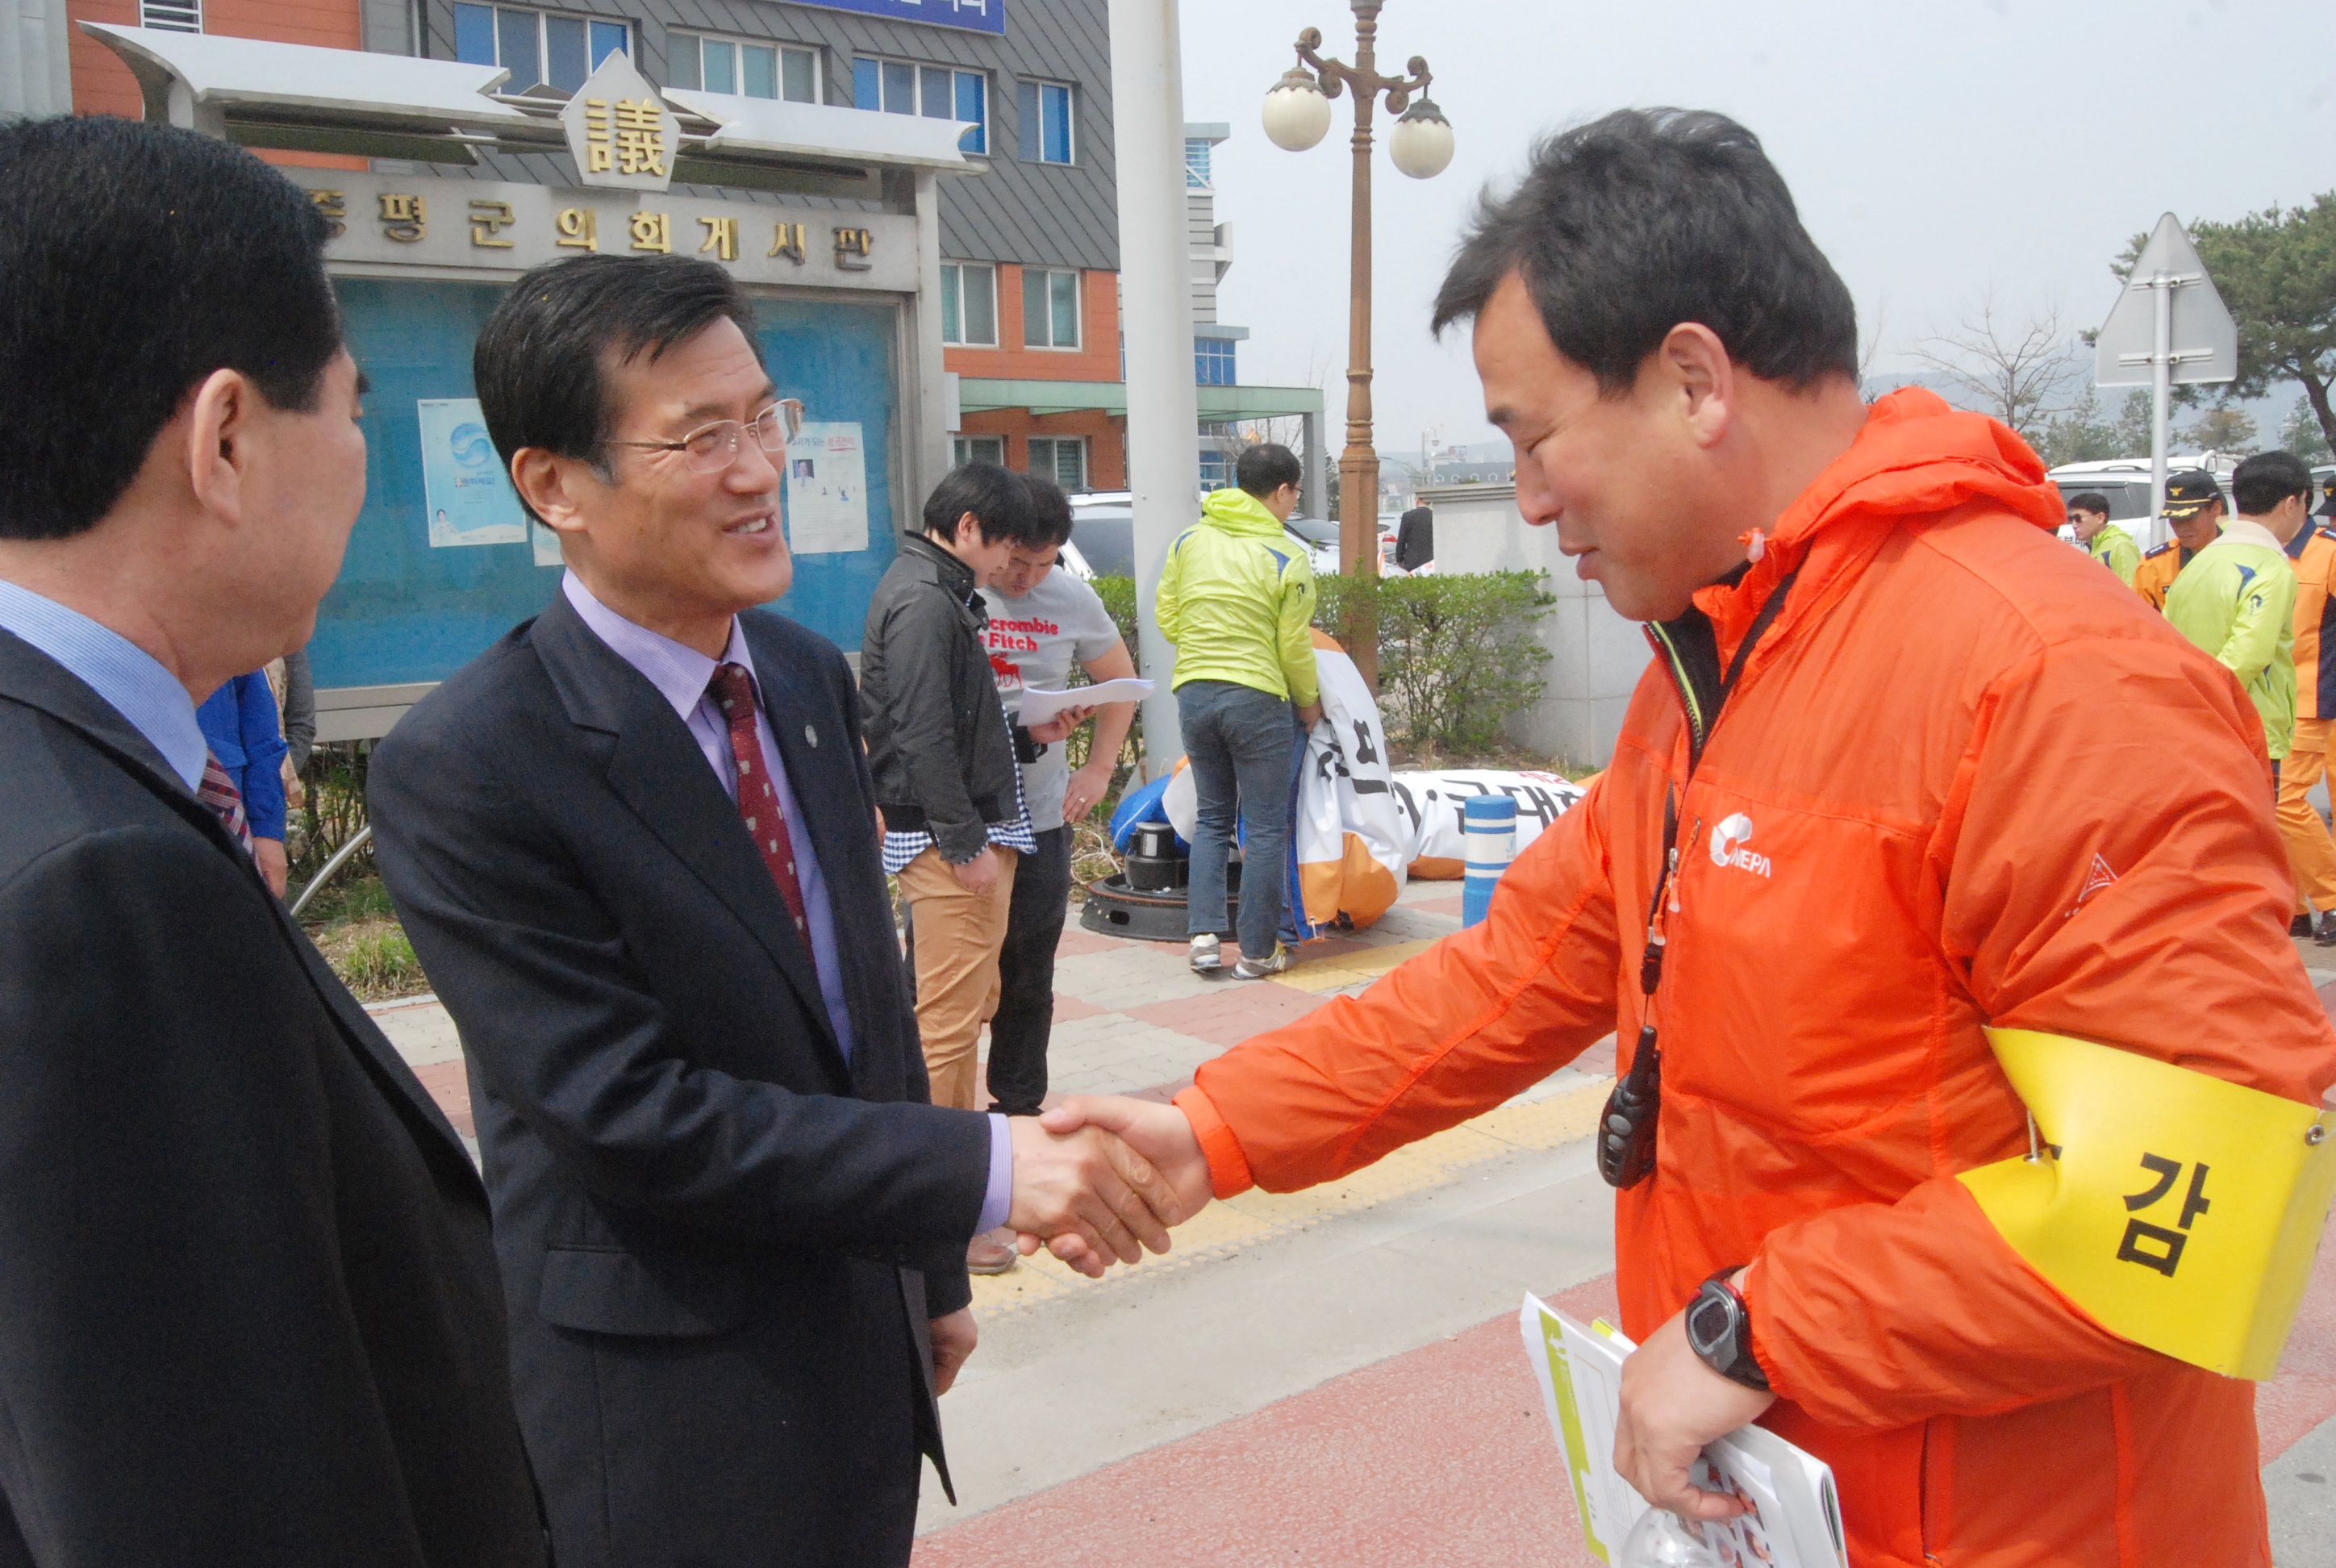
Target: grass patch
[(356, 926)]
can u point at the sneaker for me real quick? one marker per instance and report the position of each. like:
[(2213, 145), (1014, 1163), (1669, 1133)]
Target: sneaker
[(986, 1255), (1258, 969), (2301, 926), (2326, 933), (1208, 956)]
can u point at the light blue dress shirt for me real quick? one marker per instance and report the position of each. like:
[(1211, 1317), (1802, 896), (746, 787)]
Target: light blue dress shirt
[(681, 675), (125, 674)]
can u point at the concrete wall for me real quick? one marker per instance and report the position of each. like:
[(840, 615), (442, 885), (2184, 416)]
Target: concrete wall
[(35, 59), (1596, 656)]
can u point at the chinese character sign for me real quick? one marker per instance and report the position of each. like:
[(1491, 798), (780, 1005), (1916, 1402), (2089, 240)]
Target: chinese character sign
[(620, 132)]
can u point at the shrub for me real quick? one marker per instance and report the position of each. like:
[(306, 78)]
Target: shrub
[(1457, 654), (381, 963), (1118, 595)]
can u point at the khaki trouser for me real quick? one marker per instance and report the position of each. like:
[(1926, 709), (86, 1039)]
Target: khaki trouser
[(957, 937), (2311, 851)]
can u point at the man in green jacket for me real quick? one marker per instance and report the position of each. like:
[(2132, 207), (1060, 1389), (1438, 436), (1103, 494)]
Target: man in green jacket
[(2236, 601), (2105, 541), (1237, 599)]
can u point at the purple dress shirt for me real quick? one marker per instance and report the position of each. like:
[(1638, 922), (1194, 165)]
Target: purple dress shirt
[(681, 675)]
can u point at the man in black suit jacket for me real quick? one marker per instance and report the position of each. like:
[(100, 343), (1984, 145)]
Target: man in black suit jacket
[(635, 845), (1415, 538), (248, 1311)]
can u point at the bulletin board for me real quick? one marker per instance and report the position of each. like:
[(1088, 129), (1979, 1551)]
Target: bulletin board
[(405, 609)]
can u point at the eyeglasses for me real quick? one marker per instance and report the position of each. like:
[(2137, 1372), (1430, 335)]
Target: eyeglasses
[(711, 448)]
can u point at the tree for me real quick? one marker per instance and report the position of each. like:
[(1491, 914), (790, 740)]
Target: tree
[(2010, 366), (2221, 430), (2299, 433), (2078, 434), (2277, 272), (2133, 427)]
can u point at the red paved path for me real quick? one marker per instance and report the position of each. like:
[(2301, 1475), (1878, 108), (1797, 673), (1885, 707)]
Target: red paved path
[(1438, 1457)]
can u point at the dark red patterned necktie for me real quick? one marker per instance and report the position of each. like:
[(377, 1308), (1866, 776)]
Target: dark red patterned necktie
[(733, 691), (217, 792)]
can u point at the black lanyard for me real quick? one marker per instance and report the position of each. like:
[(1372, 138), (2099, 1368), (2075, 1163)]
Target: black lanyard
[(1626, 1129)]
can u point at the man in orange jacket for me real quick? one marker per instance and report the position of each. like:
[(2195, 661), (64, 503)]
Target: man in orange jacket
[(1881, 802)]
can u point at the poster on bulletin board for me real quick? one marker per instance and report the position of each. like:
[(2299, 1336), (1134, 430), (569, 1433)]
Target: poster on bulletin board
[(469, 501), (827, 490)]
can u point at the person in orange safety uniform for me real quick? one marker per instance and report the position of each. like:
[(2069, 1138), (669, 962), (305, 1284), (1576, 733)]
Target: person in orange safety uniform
[(1887, 746)]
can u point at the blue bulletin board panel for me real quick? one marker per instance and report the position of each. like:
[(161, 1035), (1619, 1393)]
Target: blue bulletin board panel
[(403, 611)]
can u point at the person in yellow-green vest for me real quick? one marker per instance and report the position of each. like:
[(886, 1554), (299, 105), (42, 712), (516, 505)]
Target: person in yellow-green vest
[(2236, 601), (1237, 599), (2105, 541)]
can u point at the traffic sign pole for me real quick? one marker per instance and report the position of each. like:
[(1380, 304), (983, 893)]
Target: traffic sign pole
[(2161, 401), (2169, 328)]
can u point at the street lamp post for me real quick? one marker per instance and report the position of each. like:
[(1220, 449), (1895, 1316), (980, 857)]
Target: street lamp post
[(1297, 117)]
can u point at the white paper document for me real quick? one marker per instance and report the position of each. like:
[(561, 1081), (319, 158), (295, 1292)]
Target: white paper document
[(1793, 1518), (1039, 704), (827, 490)]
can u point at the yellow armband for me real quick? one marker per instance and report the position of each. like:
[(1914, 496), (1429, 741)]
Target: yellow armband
[(2179, 1211)]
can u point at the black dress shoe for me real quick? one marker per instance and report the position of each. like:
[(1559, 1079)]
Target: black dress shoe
[(2301, 926), (2326, 935)]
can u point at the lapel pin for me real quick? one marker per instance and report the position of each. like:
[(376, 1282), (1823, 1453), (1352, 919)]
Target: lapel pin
[(811, 734)]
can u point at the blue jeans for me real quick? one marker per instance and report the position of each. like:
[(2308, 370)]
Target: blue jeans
[(1243, 744)]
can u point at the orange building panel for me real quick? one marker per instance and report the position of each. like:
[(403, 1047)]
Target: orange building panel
[(102, 83)]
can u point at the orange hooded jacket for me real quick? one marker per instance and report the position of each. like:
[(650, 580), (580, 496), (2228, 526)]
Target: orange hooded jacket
[(1925, 806)]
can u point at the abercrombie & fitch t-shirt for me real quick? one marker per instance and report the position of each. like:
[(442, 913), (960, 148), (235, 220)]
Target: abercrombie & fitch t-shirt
[(1033, 642)]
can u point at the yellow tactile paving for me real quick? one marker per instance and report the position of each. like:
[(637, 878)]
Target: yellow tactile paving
[(1351, 968), (1223, 1229)]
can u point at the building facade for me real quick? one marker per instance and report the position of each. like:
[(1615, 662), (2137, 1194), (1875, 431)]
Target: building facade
[(920, 193)]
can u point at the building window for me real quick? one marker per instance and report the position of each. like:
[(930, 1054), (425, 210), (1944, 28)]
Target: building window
[(1212, 361), (1045, 118), (745, 69), (1216, 471), (935, 91), (969, 304), (1050, 308), (537, 47), (1196, 163), (1061, 458), (171, 15), (989, 449)]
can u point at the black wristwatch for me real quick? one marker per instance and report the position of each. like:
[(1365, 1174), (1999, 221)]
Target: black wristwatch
[(1719, 1329)]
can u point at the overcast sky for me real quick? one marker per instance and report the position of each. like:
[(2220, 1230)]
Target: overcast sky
[(1937, 150)]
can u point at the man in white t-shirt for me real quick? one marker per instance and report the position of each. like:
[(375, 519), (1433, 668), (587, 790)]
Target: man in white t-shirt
[(1040, 621)]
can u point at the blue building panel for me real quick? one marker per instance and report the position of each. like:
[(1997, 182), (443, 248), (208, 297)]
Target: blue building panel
[(973, 15), (403, 611)]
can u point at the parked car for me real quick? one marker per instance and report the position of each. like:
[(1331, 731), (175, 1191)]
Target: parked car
[(1102, 535)]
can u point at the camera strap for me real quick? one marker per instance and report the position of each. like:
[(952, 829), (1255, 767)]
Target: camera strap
[(1626, 1129)]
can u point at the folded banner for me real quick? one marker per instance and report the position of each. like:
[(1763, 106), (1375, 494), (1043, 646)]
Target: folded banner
[(1434, 807), (1350, 841)]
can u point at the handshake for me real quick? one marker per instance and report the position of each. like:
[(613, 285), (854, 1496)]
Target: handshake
[(1103, 1177)]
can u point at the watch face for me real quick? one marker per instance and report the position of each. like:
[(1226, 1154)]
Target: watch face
[(1708, 1323)]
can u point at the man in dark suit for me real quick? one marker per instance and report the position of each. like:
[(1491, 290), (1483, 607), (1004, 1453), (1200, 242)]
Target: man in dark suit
[(635, 845), (1415, 538), (248, 1311)]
